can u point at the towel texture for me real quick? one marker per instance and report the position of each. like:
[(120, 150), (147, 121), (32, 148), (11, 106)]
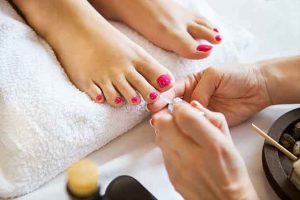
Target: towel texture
[(46, 123)]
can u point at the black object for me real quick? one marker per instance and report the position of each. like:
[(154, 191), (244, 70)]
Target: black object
[(276, 165), (127, 188), (94, 196)]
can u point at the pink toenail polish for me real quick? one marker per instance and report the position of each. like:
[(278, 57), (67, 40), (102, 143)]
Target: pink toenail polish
[(153, 95), (204, 47), (99, 98), (164, 80), (216, 30), (135, 99), (218, 38), (118, 100)]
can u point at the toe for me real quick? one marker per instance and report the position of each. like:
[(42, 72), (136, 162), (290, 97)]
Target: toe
[(203, 21), (94, 92), (157, 75), (188, 47), (112, 96), (202, 32), (147, 91), (126, 90)]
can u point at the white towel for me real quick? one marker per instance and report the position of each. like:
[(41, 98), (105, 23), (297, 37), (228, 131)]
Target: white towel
[(46, 123)]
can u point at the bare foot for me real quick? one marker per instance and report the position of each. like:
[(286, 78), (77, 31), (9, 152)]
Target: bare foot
[(165, 23), (98, 59)]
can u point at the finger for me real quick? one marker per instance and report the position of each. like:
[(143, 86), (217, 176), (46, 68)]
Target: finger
[(207, 86), (215, 118), (169, 136), (183, 88), (193, 123)]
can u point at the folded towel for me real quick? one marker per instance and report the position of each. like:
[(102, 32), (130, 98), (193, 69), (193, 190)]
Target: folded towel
[(47, 123)]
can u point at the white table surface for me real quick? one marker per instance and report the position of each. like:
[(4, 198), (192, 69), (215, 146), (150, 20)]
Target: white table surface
[(276, 26)]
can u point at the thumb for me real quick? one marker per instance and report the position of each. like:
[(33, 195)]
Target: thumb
[(217, 119), (207, 86), (193, 123)]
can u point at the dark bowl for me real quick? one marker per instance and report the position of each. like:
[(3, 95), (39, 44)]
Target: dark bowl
[(276, 165)]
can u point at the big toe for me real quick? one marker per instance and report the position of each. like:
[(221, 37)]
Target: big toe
[(156, 74), (188, 47)]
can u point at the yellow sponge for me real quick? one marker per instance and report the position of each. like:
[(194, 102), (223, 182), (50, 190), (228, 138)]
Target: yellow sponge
[(82, 178)]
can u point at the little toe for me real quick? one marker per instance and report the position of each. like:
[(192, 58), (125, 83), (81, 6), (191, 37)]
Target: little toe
[(147, 91), (157, 75), (94, 92), (112, 96), (202, 32), (127, 91)]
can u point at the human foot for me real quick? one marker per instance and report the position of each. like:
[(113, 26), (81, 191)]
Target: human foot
[(98, 59), (165, 23)]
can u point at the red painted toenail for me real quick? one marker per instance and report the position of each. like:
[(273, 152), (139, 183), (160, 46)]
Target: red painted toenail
[(218, 38), (118, 100), (135, 99), (216, 30), (204, 47), (164, 80), (99, 97), (153, 95)]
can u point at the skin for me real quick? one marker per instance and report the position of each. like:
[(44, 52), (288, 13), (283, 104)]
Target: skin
[(188, 139), (240, 91), (97, 58), (180, 27), (186, 154)]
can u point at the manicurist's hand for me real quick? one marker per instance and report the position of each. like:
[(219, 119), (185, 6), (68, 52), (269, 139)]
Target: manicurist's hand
[(236, 91), (239, 91), (199, 155)]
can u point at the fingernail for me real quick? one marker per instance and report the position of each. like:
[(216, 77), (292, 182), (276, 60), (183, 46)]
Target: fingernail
[(135, 99), (216, 30), (147, 109), (99, 98), (196, 104), (204, 47), (153, 95), (218, 38), (164, 80), (151, 122), (118, 100)]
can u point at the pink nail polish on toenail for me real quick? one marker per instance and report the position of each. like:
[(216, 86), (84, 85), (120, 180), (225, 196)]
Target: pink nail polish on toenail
[(216, 30), (135, 99), (164, 80), (204, 47), (218, 38), (118, 100), (153, 95), (99, 98)]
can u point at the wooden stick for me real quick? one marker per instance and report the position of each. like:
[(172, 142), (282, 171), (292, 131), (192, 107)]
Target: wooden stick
[(274, 143)]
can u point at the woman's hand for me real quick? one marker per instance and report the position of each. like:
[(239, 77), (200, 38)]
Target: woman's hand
[(236, 91), (199, 155)]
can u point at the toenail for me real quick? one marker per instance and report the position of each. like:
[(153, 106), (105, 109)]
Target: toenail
[(118, 100), (216, 30), (218, 38), (135, 99), (153, 95), (99, 98), (164, 80), (204, 47)]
